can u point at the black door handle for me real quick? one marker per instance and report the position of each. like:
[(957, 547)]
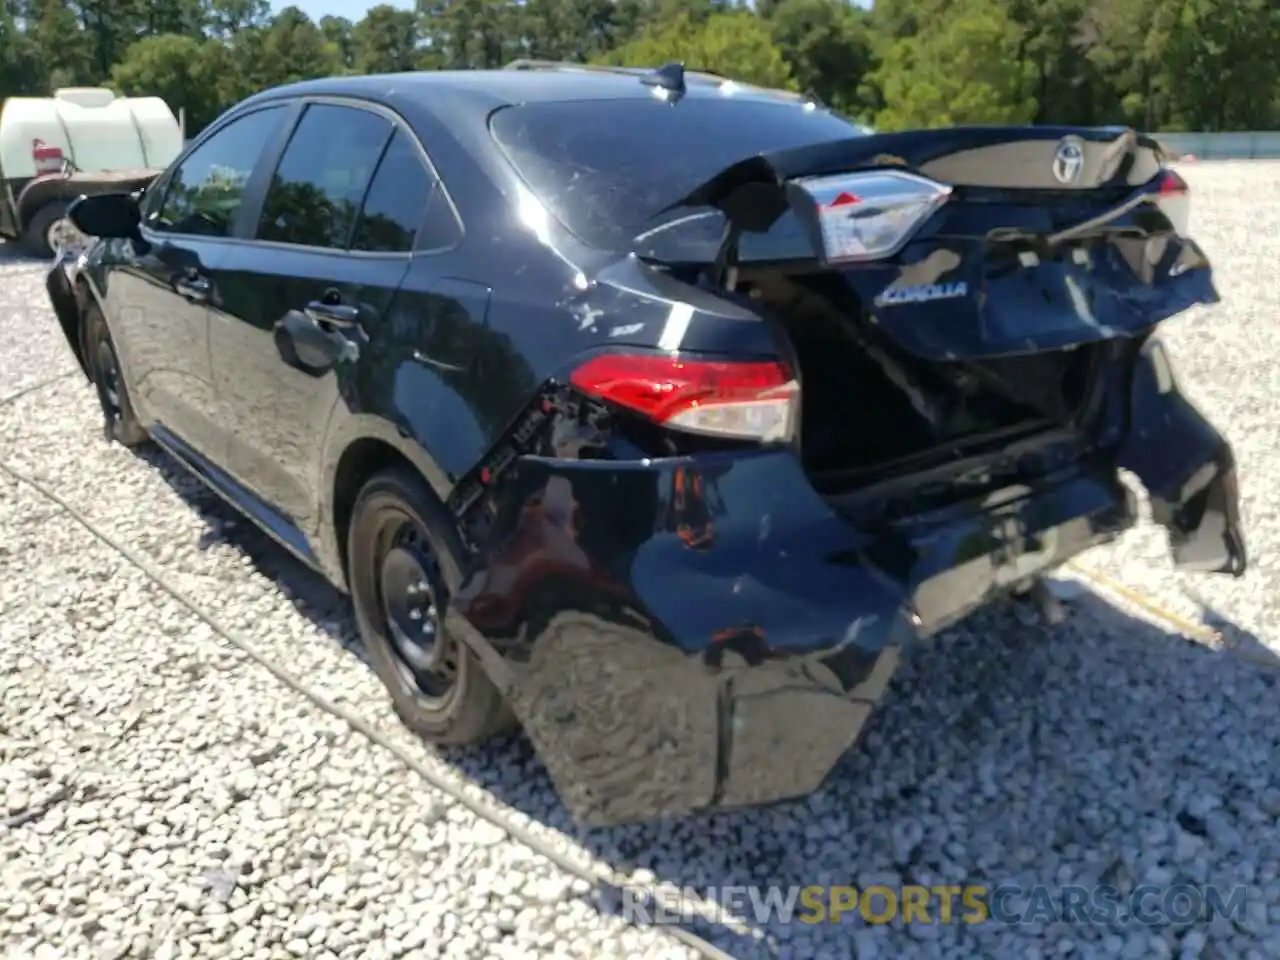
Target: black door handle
[(306, 345), (336, 315)]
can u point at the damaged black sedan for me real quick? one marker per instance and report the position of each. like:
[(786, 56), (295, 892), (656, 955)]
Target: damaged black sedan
[(651, 412)]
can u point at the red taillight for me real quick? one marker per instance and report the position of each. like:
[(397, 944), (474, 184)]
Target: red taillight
[(1171, 182), (750, 400), (1173, 197), (46, 157)]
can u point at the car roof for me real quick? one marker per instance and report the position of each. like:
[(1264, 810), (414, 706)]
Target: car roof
[(487, 90)]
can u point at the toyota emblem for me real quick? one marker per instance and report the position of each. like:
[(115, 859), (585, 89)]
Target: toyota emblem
[(1068, 160)]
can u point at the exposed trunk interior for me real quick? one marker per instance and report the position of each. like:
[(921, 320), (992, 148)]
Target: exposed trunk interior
[(871, 412)]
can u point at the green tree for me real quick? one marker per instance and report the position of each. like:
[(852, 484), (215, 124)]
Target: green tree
[(827, 46), (340, 32), (1126, 42), (577, 30), (229, 17), (1220, 70), (108, 26), (659, 12), (20, 70), (1052, 50), (62, 48), (386, 41), (736, 45), (962, 67), (291, 49), (478, 34), (896, 19), (188, 18), (187, 74)]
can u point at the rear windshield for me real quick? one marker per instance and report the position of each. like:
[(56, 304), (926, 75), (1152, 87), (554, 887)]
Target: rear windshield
[(605, 168)]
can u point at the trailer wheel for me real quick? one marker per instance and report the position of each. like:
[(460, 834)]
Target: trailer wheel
[(41, 236)]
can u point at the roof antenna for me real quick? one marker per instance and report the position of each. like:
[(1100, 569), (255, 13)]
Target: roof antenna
[(667, 81)]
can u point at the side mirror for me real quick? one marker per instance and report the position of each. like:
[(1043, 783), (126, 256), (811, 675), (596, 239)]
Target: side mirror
[(112, 215)]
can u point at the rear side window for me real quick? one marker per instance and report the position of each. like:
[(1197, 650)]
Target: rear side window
[(316, 191), (203, 195), (396, 203), (607, 168)]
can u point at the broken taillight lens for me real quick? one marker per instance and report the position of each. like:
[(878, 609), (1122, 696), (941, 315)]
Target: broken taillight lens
[(752, 400)]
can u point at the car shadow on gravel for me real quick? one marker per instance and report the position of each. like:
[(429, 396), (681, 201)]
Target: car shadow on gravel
[(11, 254), (1005, 749)]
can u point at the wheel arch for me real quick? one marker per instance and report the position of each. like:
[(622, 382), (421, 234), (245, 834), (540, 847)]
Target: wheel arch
[(68, 299), (38, 194), (361, 447)]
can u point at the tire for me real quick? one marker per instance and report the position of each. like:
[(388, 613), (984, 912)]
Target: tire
[(35, 236), (451, 700), (119, 422)]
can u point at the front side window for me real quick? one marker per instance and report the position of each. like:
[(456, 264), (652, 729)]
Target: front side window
[(317, 189), (205, 192)]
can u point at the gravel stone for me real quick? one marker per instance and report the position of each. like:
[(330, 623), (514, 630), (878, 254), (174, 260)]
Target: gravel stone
[(176, 800)]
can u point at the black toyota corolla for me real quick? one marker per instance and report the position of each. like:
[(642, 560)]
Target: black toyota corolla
[(652, 412)]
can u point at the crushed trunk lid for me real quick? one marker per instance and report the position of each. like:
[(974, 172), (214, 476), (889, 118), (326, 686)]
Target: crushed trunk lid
[(974, 244), (977, 243)]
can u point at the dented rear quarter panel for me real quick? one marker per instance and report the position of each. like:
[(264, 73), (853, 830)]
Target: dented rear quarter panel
[(698, 632)]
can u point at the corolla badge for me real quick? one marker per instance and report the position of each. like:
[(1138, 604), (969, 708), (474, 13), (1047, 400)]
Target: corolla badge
[(922, 293), (1068, 160)]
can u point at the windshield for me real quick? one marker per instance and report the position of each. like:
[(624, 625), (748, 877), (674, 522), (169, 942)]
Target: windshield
[(605, 168)]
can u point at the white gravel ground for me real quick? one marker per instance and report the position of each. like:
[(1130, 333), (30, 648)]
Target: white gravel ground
[(196, 807)]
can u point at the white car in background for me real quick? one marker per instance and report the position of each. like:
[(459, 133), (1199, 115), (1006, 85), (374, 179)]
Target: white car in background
[(82, 140)]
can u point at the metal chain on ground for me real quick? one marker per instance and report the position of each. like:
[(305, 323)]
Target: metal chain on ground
[(1196, 631), (36, 387)]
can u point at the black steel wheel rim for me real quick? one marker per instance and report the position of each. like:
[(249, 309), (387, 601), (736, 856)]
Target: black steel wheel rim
[(410, 605), (108, 384)]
